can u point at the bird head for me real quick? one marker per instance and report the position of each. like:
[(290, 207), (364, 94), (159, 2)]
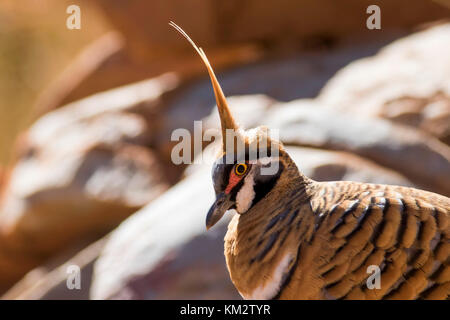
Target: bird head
[(251, 162)]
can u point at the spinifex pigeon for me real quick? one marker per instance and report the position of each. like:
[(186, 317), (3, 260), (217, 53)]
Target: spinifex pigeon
[(295, 238)]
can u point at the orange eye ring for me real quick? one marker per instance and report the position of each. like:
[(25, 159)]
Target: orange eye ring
[(240, 169)]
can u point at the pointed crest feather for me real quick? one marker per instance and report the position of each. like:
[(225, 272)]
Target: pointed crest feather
[(226, 118)]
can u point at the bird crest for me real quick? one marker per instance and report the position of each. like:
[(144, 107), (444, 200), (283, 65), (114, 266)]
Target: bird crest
[(236, 142)]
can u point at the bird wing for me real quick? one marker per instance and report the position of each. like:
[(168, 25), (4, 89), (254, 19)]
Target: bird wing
[(404, 232)]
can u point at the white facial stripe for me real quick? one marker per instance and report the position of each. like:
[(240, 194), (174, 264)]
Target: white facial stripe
[(269, 289), (246, 194)]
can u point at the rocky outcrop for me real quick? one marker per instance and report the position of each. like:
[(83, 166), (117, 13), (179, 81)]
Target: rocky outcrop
[(408, 82), (79, 172)]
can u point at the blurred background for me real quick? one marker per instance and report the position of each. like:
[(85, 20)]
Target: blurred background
[(86, 116)]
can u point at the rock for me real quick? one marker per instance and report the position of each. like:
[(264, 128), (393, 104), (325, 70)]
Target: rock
[(164, 251), (407, 82), (80, 171), (322, 165)]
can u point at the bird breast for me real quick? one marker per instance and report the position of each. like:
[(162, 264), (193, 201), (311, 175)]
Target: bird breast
[(271, 286)]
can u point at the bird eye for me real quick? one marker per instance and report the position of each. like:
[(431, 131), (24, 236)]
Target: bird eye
[(240, 169)]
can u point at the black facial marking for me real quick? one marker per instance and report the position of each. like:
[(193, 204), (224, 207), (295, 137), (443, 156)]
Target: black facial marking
[(266, 183)]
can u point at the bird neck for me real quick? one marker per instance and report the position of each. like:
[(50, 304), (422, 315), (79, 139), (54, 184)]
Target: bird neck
[(259, 246)]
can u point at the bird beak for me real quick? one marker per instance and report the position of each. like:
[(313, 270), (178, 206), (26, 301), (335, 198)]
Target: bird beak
[(222, 204)]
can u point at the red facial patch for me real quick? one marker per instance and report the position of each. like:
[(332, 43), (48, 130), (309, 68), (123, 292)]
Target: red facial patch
[(232, 182)]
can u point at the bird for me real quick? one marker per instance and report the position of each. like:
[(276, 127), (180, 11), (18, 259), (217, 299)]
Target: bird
[(298, 239)]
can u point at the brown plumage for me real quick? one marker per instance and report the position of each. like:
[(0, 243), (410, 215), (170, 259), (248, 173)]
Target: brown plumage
[(295, 238), (333, 231)]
